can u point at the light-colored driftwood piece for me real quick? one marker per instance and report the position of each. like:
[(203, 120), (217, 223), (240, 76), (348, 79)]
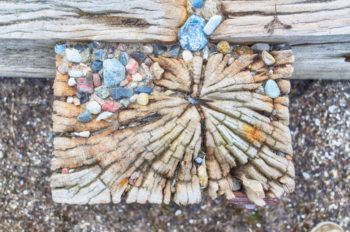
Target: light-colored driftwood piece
[(292, 21), (214, 110), (118, 20)]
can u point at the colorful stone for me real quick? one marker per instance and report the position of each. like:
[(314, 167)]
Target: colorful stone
[(96, 66), (71, 82), (159, 49), (139, 56), (191, 35), (119, 93), (157, 70), (103, 116), (145, 89), (96, 79), (93, 107), (223, 47), (100, 54), (271, 89), (132, 66), (243, 50), (267, 58), (83, 97), (85, 116), (73, 55), (143, 99), (137, 77), (110, 107), (124, 58), (212, 24), (102, 92), (197, 3), (174, 51), (187, 56), (60, 48), (113, 72)]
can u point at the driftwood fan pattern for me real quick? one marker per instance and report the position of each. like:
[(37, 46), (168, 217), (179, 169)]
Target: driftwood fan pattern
[(147, 154)]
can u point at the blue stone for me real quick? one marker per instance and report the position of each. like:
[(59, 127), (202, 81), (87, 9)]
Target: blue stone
[(174, 51), (102, 91), (146, 89), (138, 56), (159, 49), (83, 97), (79, 47), (90, 45), (212, 24), (96, 66), (60, 48), (100, 54), (197, 3), (191, 35), (85, 116), (271, 89), (113, 72), (192, 101), (119, 92), (124, 58)]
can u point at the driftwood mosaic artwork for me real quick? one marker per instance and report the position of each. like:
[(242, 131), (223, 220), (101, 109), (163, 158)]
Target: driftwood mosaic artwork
[(156, 123)]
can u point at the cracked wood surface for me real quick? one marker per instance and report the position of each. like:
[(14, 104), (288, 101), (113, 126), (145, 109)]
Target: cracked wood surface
[(150, 158), (291, 21), (117, 20)]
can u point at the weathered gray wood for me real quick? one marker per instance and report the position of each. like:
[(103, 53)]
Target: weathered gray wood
[(112, 20), (27, 58), (292, 21)]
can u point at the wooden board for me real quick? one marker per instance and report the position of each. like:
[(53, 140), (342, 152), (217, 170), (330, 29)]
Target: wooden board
[(113, 20), (27, 58), (293, 21)]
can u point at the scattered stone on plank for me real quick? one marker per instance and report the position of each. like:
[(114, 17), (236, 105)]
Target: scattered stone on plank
[(142, 125)]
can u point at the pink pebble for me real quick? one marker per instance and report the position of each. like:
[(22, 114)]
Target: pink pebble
[(132, 66), (110, 107), (96, 79), (124, 82), (65, 171)]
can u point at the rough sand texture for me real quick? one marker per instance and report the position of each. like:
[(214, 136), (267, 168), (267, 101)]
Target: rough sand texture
[(320, 125)]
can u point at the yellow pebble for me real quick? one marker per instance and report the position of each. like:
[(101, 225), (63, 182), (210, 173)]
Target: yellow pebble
[(142, 99), (224, 47)]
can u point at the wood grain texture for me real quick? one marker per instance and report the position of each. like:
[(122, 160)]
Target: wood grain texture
[(292, 21), (116, 20), (27, 58)]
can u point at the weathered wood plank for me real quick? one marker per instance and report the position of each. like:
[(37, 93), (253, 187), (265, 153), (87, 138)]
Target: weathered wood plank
[(112, 20), (292, 21), (27, 58)]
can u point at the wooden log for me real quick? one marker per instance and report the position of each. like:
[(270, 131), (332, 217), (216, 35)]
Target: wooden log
[(116, 20), (27, 58), (292, 21)]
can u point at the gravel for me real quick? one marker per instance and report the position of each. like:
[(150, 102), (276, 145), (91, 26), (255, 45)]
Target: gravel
[(320, 125)]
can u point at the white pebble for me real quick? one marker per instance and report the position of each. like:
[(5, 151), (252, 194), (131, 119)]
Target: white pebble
[(103, 116), (84, 134), (71, 82), (267, 58), (93, 107), (73, 55), (70, 100), (133, 98), (199, 160), (178, 212), (212, 24), (187, 56), (205, 53), (137, 77)]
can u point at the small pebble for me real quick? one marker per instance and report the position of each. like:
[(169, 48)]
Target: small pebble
[(124, 58), (231, 60), (75, 72), (76, 101), (138, 56), (159, 49), (125, 102), (192, 101), (199, 160), (119, 93), (60, 48), (122, 47), (243, 50), (84, 86), (84, 134), (63, 69), (212, 24), (137, 77), (70, 100), (113, 72), (223, 47), (178, 212), (142, 99), (65, 171), (100, 54), (187, 56), (267, 58), (85, 56), (145, 89), (96, 66), (134, 98), (259, 47), (132, 66), (148, 61), (174, 51), (197, 3), (71, 82), (83, 97), (191, 35), (278, 47), (110, 107), (157, 70), (96, 79), (271, 89), (102, 92), (205, 52), (79, 47), (147, 49), (73, 55), (104, 116), (85, 116), (124, 83), (93, 107)]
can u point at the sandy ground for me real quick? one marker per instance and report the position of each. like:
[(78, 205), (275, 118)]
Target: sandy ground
[(320, 125)]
